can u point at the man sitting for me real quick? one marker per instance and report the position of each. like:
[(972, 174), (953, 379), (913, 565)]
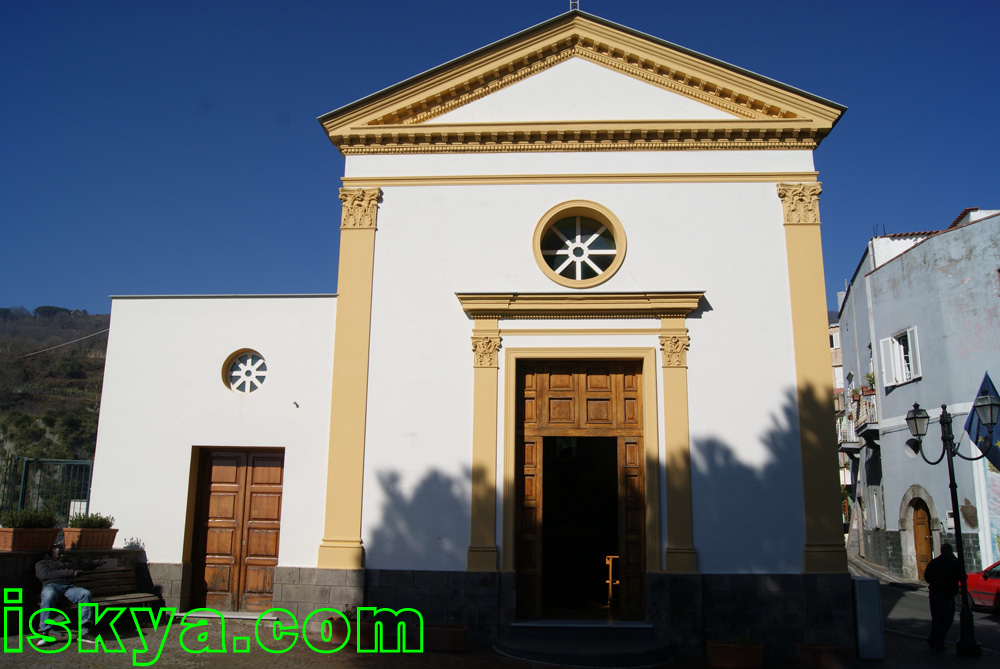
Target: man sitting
[(56, 575)]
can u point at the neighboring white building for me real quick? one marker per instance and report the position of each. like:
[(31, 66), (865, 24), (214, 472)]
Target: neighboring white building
[(920, 318), (550, 249)]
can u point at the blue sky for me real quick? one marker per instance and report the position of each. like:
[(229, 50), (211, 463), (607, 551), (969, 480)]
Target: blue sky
[(173, 147)]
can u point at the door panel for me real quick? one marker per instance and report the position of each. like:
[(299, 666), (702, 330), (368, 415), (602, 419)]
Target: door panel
[(588, 399), (921, 537), (237, 514)]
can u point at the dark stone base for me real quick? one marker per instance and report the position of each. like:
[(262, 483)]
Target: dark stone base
[(686, 610)]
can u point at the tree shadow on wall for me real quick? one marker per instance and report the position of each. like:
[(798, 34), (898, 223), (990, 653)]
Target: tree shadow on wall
[(752, 517), (425, 525)]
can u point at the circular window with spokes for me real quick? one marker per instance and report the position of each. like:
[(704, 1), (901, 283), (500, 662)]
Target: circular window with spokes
[(579, 244), (245, 371)]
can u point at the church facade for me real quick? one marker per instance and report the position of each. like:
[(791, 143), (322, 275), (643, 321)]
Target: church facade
[(576, 368)]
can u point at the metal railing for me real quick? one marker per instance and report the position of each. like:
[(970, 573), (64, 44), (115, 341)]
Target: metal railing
[(59, 486), (845, 431), (866, 410)]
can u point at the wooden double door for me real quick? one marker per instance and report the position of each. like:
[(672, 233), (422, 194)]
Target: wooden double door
[(237, 525), (580, 490)]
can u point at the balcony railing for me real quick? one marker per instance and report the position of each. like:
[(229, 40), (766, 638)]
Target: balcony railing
[(866, 410), (845, 431)]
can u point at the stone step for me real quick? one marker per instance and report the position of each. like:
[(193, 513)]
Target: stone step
[(585, 644)]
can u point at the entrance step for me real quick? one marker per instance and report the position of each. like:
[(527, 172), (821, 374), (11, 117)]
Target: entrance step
[(585, 644)]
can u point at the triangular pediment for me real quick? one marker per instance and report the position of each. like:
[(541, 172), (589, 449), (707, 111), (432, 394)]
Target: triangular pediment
[(578, 82), (578, 89)]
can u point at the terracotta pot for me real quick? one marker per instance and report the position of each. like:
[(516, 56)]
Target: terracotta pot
[(81, 538), (23, 539), (735, 655)]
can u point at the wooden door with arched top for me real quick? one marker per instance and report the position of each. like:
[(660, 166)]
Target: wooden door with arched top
[(921, 537)]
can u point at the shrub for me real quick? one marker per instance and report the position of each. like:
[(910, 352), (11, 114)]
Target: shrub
[(28, 519), (91, 521)]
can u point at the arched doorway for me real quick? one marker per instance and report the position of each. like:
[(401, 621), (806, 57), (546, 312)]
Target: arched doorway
[(921, 536)]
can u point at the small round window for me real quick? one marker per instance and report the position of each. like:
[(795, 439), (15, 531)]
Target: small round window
[(579, 244), (245, 371)]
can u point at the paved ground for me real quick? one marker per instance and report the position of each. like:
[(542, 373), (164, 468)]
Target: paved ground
[(902, 649), (901, 652)]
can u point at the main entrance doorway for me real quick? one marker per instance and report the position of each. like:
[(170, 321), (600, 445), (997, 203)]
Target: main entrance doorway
[(237, 521), (580, 523)]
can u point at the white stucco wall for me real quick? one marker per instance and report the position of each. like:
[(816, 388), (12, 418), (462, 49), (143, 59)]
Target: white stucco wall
[(164, 395), (726, 239)]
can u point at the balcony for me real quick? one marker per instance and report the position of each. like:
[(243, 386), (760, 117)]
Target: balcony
[(859, 426), (865, 411)]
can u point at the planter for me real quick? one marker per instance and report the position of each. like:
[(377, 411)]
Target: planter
[(444, 638), (818, 656), (735, 655), (82, 538), (23, 539), (867, 391)]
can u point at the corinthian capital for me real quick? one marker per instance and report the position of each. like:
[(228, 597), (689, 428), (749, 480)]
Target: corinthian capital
[(674, 348), (360, 207), (801, 203), (486, 349)]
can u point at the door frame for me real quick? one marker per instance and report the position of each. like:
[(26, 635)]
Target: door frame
[(199, 460), (651, 441)]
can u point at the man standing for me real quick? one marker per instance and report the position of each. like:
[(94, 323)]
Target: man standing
[(56, 575), (944, 575)]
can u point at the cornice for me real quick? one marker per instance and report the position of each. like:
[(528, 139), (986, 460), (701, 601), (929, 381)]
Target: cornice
[(589, 136), (400, 119), (577, 305), (536, 179)]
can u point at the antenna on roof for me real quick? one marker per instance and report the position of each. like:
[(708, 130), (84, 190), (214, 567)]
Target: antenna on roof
[(574, 4)]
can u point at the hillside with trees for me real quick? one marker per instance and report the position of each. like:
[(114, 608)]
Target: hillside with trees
[(51, 373)]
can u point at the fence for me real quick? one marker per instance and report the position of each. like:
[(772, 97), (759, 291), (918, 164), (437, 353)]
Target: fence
[(59, 486)]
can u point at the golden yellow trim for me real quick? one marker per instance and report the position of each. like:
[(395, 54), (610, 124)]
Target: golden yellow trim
[(672, 308), (587, 209), (650, 440), (824, 550), (536, 179), (396, 121), (592, 136), (680, 556), (578, 305), (562, 332), (486, 346), (341, 547), (360, 207)]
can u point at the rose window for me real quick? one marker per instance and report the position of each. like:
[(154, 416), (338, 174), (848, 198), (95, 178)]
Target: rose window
[(246, 372), (578, 248)]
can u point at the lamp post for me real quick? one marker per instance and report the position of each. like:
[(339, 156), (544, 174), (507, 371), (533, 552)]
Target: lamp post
[(917, 420)]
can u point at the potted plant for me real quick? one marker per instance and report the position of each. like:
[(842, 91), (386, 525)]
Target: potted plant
[(27, 530), (89, 531), (736, 654)]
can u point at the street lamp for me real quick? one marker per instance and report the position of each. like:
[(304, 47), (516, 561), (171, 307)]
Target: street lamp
[(916, 421)]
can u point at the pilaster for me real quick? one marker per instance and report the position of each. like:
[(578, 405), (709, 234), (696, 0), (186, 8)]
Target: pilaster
[(341, 547)]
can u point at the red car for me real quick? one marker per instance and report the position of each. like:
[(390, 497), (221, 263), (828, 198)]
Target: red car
[(984, 587)]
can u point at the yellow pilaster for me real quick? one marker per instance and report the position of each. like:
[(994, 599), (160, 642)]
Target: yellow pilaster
[(680, 555), (341, 546), (824, 550), (486, 347)]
